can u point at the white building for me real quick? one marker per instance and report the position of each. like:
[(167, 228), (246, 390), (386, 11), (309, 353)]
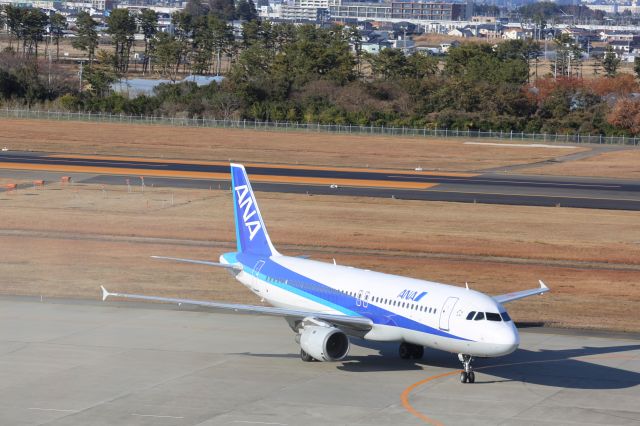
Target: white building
[(513, 34)]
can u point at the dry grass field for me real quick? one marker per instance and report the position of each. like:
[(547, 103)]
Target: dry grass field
[(66, 241), (263, 146)]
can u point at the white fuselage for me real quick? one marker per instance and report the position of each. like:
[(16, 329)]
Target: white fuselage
[(402, 309)]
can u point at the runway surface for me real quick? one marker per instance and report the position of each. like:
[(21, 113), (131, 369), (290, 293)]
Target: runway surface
[(84, 362), (490, 188)]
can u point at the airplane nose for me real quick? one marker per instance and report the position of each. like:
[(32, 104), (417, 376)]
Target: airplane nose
[(508, 341)]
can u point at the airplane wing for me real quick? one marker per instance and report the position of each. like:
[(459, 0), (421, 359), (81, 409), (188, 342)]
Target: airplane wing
[(510, 297), (357, 323), (235, 266)]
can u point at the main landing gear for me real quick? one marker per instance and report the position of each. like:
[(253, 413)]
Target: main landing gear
[(467, 375), (410, 351)]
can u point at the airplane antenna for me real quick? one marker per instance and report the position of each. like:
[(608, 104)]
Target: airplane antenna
[(466, 284), (334, 261)]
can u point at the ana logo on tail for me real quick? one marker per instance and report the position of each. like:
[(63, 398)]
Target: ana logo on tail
[(246, 204)]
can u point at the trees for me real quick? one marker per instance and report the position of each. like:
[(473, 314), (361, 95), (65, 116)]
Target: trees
[(626, 115), (101, 76), (26, 24), (57, 26), (148, 20), (34, 26), (3, 18), (223, 9), (246, 10), (636, 66), (14, 16), (166, 54), (568, 57), (87, 36), (183, 30), (483, 63), (610, 62), (121, 25), (520, 50), (196, 8), (388, 64)]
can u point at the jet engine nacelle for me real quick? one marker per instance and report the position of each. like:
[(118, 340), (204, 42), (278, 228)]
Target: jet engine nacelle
[(324, 343)]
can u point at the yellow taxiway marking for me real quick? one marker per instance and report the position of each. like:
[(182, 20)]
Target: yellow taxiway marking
[(219, 176), (269, 166)]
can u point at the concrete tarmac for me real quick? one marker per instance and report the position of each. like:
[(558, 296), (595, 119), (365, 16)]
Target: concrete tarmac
[(117, 363)]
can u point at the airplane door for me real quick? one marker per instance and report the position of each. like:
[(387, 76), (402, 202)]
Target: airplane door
[(255, 285), (446, 311)]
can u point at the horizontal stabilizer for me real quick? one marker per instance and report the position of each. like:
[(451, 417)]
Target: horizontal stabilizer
[(510, 297), (234, 266), (105, 293)]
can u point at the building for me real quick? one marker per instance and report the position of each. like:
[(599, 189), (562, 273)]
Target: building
[(484, 19), (514, 34), (375, 11), (428, 11), (612, 35), (410, 11), (461, 32)]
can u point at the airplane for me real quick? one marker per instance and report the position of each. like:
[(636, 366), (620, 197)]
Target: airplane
[(325, 303)]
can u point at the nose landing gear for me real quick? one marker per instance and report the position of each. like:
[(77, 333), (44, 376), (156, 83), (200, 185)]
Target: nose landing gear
[(467, 376)]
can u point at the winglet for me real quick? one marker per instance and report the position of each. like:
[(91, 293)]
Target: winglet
[(105, 293), (504, 298)]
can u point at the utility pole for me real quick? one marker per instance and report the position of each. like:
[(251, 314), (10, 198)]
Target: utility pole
[(80, 75)]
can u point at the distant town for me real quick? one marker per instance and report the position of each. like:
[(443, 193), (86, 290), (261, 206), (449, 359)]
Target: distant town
[(533, 68), (391, 24)]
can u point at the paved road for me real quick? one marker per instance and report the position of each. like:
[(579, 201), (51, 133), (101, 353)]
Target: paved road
[(93, 363), (418, 185)]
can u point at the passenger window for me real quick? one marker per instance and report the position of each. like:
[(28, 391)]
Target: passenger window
[(505, 316), (492, 316), (471, 314), (479, 316)]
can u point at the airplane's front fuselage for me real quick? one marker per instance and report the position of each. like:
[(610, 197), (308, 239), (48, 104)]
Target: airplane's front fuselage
[(402, 309)]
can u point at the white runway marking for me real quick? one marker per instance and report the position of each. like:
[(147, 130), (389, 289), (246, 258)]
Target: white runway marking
[(51, 409), (523, 145), (259, 423), (157, 417)]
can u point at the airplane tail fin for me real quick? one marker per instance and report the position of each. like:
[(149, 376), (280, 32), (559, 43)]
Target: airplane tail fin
[(251, 234)]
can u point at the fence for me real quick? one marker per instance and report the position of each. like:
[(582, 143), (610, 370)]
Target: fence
[(316, 127)]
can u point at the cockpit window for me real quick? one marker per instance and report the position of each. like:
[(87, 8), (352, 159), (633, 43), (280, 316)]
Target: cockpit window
[(471, 314), (479, 316), (505, 316), (492, 316)]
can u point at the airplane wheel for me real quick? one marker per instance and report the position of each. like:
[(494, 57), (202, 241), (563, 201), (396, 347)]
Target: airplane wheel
[(463, 377), (305, 356), (405, 350), (472, 377), (418, 352)]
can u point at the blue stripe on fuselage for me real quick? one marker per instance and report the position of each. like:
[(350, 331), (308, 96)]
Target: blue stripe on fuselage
[(277, 275)]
